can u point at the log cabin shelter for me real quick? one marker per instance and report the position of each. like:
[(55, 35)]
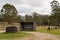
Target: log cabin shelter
[(27, 26)]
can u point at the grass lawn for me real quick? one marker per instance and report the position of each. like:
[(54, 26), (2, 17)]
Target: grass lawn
[(13, 35), (52, 31)]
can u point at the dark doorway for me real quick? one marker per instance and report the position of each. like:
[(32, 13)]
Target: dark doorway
[(27, 26)]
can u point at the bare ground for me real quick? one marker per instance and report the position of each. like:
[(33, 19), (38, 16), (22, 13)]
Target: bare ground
[(40, 36)]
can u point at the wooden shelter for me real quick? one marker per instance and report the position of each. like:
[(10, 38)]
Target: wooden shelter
[(27, 26)]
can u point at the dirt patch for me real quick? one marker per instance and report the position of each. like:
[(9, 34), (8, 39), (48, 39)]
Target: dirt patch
[(39, 36)]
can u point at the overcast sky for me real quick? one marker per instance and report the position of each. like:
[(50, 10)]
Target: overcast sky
[(28, 6)]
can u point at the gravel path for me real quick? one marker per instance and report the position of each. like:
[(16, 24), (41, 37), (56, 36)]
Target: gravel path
[(40, 36)]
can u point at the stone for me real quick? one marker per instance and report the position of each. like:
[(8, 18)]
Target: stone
[(11, 29)]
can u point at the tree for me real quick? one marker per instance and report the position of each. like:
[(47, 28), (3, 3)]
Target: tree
[(55, 16), (20, 18), (28, 18), (9, 13), (37, 18), (45, 20)]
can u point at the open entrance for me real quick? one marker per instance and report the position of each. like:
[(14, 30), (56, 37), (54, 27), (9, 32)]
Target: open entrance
[(27, 26)]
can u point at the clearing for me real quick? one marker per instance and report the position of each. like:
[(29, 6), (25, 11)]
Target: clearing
[(40, 36), (37, 36)]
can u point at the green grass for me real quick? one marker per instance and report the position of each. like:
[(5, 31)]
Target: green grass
[(13, 35), (52, 31)]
